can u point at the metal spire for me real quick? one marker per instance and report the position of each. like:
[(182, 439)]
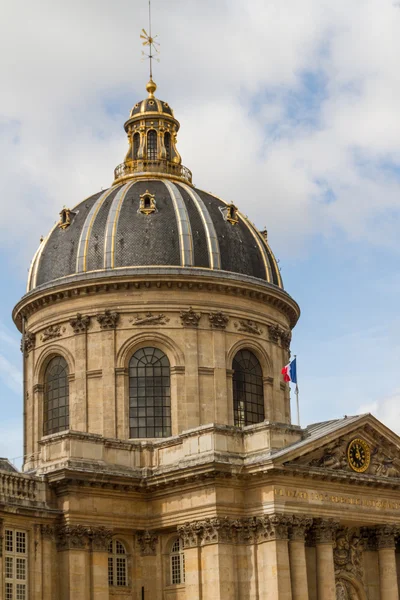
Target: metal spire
[(149, 41)]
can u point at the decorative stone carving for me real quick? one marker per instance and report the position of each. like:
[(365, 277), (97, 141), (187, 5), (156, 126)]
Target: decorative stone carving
[(28, 342), (150, 319), (347, 552), (190, 318), (248, 326), (368, 535), (52, 332), (324, 530), (334, 456), (384, 466), (298, 527), (147, 541), (108, 320), (72, 537), (217, 530), (273, 527), (385, 536), (80, 323), (100, 538), (342, 591), (190, 533), (274, 333), (218, 320), (246, 530), (286, 338)]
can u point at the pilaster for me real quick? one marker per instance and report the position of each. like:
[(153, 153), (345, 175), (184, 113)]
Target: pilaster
[(324, 531), (297, 556), (148, 544), (99, 538), (385, 538), (273, 557), (49, 562)]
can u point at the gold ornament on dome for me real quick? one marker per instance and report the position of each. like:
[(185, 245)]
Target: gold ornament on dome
[(358, 455), (147, 203)]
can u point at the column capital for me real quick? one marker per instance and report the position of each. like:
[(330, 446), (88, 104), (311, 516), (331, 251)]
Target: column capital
[(218, 530), (47, 532), (71, 537), (147, 541), (100, 538), (273, 527), (190, 533), (385, 536), (298, 528), (324, 530)]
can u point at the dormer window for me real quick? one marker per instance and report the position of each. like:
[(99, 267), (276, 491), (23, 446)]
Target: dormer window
[(147, 203), (66, 216), (232, 214)]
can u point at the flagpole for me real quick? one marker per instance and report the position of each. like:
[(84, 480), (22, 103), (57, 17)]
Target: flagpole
[(297, 396)]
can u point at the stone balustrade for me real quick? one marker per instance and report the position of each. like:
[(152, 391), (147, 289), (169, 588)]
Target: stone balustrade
[(15, 487)]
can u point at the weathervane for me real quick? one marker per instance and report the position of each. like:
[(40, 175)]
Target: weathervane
[(149, 41)]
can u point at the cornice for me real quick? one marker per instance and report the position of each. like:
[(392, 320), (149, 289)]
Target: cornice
[(163, 278)]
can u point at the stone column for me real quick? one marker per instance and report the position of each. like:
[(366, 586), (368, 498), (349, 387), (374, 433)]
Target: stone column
[(100, 538), (385, 537), (273, 557), (190, 535), (219, 577), (49, 563), (297, 556), (247, 567), (79, 411), (324, 531), (148, 544), (108, 323), (74, 565), (218, 322)]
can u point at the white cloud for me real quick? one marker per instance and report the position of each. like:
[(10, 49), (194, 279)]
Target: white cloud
[(386, 410)]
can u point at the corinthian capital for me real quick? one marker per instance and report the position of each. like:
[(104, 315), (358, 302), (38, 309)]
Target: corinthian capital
[(273, 527), (324, 530), (190, 533), (299, 526), (385, 536)]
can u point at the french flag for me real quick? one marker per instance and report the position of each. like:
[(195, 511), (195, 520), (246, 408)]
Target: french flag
[(290, 372)]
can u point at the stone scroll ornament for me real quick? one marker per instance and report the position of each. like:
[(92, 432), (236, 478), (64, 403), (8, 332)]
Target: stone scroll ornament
[(190, 318), (150, 319), (28, 342), (80, 323), (347, 552), (248, 326), (52, 332), (108, 320), (218, 320)]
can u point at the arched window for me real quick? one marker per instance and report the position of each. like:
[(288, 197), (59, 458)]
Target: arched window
[(152, 145), (117, 564), (248, 395), (56, 396), (149, 394), (167, 144), (177, 562), (136, 145)]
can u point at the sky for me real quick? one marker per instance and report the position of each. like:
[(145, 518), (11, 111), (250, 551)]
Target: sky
[(289, 109)]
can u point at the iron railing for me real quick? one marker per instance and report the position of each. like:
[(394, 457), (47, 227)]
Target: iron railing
[(139, 167)]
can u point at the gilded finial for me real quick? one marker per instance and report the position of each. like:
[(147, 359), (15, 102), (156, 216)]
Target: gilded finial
[(151, 88)]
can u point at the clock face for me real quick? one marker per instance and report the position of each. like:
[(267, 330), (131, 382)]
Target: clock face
[(358, 455)]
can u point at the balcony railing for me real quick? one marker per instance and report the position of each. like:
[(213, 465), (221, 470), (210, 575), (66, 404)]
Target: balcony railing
[(15, 486), (141, 167)]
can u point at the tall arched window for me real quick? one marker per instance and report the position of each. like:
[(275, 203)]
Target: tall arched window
[(149, 394), (167, 144), (117, 564), (248, 394), (56, 396), (152, 145), (136, 145), (177, 562)]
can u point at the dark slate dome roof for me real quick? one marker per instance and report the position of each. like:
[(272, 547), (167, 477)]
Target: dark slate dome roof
[(188, 228)]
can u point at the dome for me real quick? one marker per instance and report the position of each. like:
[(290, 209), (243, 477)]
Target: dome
[(152, 217), (152, 222)]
